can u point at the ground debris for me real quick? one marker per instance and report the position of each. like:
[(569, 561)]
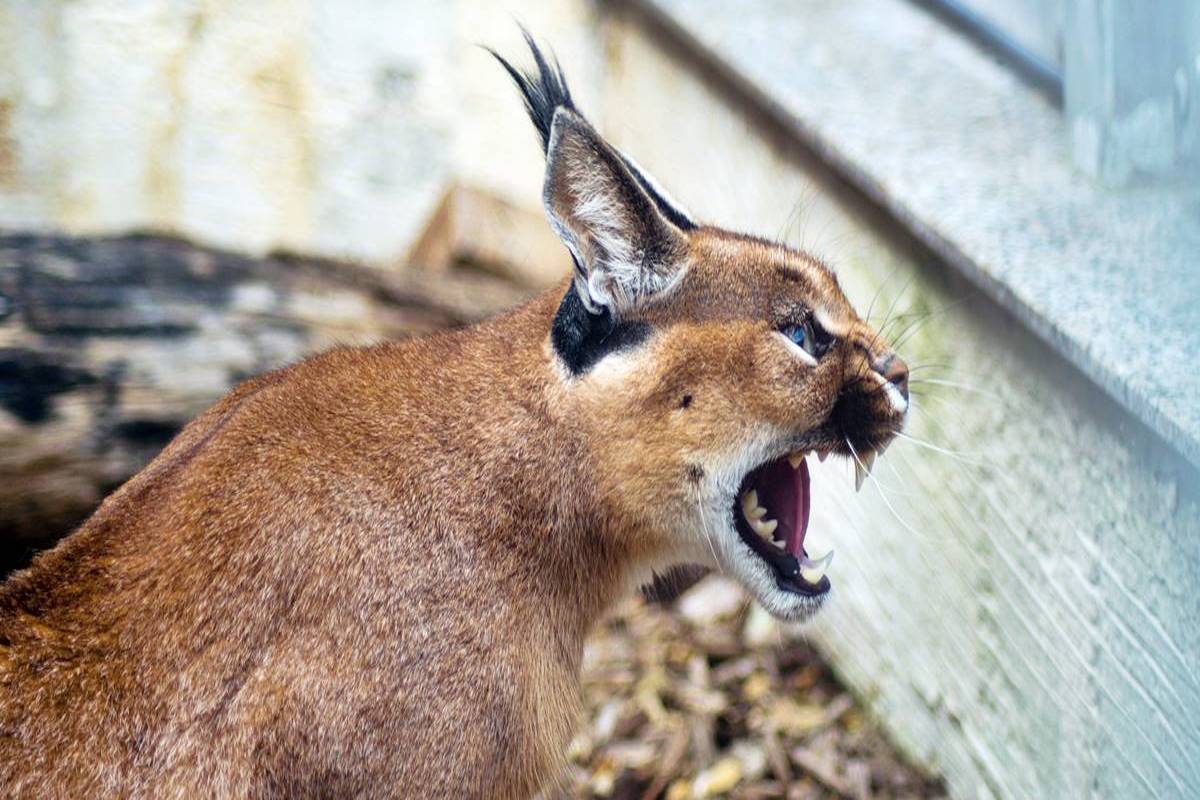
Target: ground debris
[(725, 706)]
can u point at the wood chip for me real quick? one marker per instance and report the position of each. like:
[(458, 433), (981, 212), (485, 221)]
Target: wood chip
[(822, 770), (718, 779), (677, 710), (780, 765), (672, 758)]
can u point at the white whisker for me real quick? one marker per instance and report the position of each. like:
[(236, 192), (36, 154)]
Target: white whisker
[(879, 289), (883, 496), (956, 385), (707, 536), (942, 450)]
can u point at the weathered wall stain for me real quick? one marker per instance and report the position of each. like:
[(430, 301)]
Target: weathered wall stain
[(276, 124), (8, 148), (162, 180)]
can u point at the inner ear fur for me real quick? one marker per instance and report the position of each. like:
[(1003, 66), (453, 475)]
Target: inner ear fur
[(626, 250)]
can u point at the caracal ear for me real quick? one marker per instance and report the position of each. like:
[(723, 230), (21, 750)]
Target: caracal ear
[(626, 251)]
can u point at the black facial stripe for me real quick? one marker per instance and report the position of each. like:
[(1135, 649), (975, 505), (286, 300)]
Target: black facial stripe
[(581, 338), (824, 338)]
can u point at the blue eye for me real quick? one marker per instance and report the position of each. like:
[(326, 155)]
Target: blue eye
[(808, 337)]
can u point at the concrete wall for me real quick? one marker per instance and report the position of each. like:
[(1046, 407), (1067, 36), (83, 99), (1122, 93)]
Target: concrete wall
[(331, 127), (1133, 89), (1015, 591)]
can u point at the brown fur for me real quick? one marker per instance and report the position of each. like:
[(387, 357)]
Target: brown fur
[(371, 573)]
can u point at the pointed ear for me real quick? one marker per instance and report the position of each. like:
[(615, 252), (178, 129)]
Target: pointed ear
[(626, 250)]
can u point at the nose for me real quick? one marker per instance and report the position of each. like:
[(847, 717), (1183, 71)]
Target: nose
[(895, 372)]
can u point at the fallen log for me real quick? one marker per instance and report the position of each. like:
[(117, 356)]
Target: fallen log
[(109, 345)]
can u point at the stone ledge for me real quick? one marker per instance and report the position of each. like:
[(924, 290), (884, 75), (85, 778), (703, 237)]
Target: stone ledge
[(1109, 279)]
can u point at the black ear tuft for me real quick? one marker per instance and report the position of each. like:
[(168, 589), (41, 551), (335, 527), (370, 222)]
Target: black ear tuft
[(544, 92)]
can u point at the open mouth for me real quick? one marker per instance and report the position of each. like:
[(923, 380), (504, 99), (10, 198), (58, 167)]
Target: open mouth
[(771, 516)]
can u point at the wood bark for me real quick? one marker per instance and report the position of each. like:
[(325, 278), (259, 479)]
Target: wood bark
[(109, 345)]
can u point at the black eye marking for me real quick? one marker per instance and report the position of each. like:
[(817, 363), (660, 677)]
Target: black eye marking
[(789, 274), (823, 338), (686, 401)]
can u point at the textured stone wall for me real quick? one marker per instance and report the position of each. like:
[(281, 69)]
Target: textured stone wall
[(330, 127), (1015, 590)]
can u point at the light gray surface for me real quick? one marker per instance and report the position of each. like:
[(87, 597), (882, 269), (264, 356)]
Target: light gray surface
[(1133, 88), (976, 165), (1035, 24), (1014, 592)]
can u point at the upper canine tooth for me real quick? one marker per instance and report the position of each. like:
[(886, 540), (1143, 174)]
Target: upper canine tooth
[(749, 501), (869, 460), (757, 512), (860, 475), (796, 459)]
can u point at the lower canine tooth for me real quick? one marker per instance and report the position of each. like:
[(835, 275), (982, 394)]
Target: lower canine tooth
[(811, 575), (812, 571)]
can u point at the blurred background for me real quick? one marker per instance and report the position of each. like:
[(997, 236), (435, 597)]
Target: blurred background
[(192, 192)]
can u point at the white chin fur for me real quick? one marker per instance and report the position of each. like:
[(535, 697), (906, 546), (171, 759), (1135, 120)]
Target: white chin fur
[(733, 556), (748, 569)]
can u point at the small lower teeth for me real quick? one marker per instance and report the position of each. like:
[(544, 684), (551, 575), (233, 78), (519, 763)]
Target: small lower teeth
[(765, 528)]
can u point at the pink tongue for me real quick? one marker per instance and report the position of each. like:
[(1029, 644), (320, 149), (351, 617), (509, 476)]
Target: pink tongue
[(784, 492), (795, 542)]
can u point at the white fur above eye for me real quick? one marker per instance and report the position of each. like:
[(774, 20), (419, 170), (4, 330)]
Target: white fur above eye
[(797, 350), (836, 329)]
